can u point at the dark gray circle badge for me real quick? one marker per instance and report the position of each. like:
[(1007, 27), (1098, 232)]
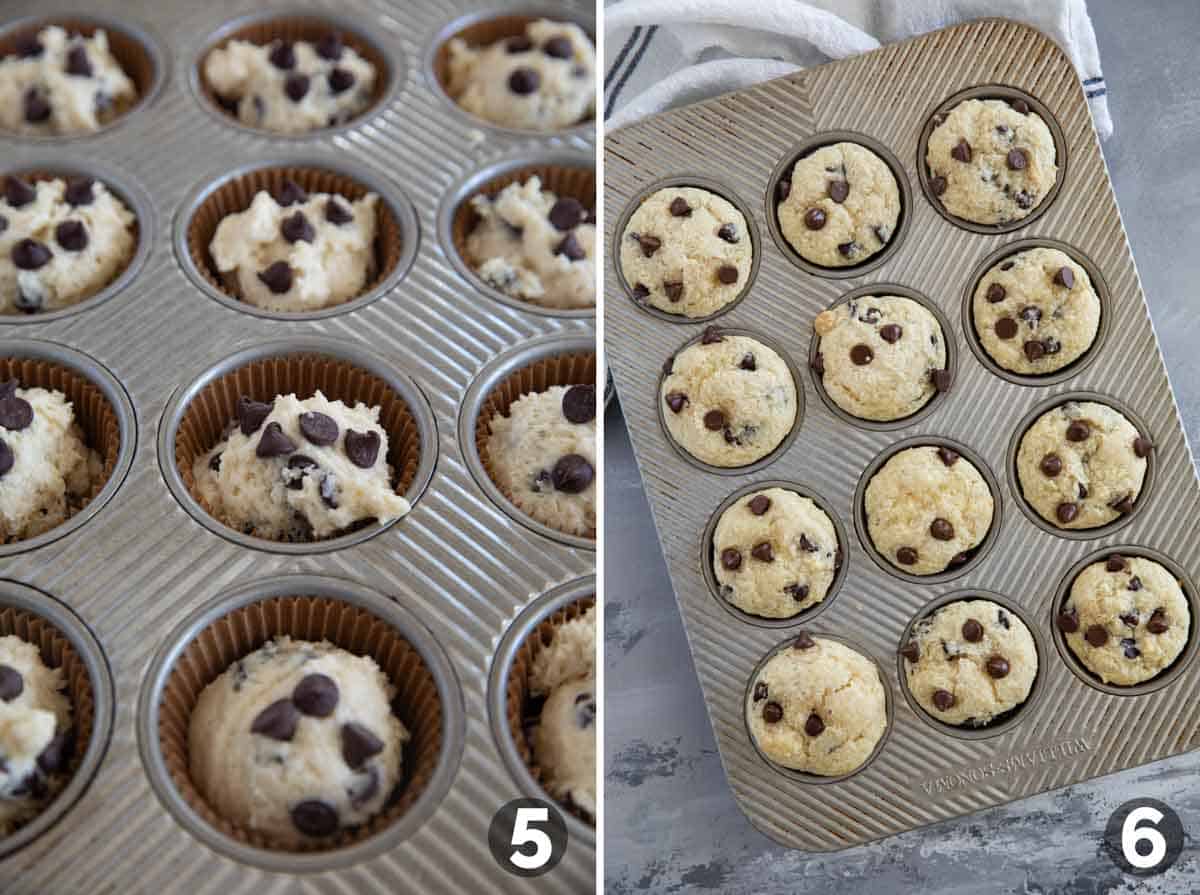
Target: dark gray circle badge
[(528, 837), (1144, 837)]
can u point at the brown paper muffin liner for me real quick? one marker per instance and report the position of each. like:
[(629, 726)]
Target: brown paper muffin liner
[(236, 194), (522, 709), (93, 412), (208, 414), (563, 369), (57, 652), (345, 625), (297, 28), (132, 55)]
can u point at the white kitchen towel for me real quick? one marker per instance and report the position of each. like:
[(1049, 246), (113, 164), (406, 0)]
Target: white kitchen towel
[(664, 53)]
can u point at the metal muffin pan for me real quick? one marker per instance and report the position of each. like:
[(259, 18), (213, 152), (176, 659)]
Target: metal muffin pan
[(142, 565), (1072, 730)]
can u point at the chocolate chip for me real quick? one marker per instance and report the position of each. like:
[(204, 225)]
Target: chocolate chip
[(289, 193), (277, 721), (362, 447), (759, 504), (997, 666), (28, 47), (676, 400), (959, 558), (1005, 328), (340, 80), (861, 355), (1023, 199), (1116, 563), (870, 315), (518, 44), (1034, 350), (972, 631), (329, 491), (277, 277), (1135, 583), (1142, 446), (1019, 106), (748, 362), (806, 545), (570, 248), (1078, 430), (296, 87), (814, 219), (319, 428), (58, 752), (783, 189), (891, 333), (329, 46), (772, 713), (996, 293), (559, 47), (566, 213), (71, 235), (947, 456), (714, 421), (680, 208), (649, 244), (803, 641), (12, 684), (943, 699), (1123, 505), (762, 552), (818, 364), (846, 249), (1158, 623), (16, 413), (1051, 465), (1096, 635), (727, 274), (1068, 620), (760, 691), (302, 463), (911, 651), (316, 695), (37, 107), (814, 726), (941, 380), (283, 55), (6, 459), (251, 414), (79, 191), (797, 592), (640, 291), (1018, 159), (731, 559), (728, 233), (572, 474), (313, 817), (1065, 277), (961, 151), (907, 556), (838, 191), (3, 223), (1031, 315), (941, 529), (29, 254), (337, 213), (78, 63), (1066, 512), (359, 744), (524, 81), (274, 442), (296, 228), (937, 185), (711, 336)]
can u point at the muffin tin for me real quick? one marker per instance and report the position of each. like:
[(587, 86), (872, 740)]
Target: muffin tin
[(141, 568), (1074, 728)]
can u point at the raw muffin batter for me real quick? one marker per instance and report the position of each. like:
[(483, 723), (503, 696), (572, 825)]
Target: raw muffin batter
[(839, 206), (297, 470), (970, 662), (543, 457), (1126, 619), (881, 357), (686, 251), (61, 241), (532, 245), (36, 738), (817, 706), (564, 740), (58, 84), (1081, 465), (775, 553), (927, 508), (296, 252), (1036, 311), (291, 88), (991, 161), (728, 400), (297, 741), (541, 80), (46, 470)]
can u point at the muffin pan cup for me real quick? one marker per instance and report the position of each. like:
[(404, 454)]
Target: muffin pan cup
[(1071, 730)]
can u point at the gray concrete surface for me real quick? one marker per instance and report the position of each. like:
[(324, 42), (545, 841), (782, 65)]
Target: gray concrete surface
[(672, 825)]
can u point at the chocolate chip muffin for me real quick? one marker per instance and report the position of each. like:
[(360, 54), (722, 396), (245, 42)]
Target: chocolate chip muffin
[(297, 741), (1036, 311), (291, 87), (541, 80), (817, 706), (881, 357), (728, 400), (535, 246), (1082, 464), (991, 161), (839, 206), (61, 242), (58, 83), (927, 509), (1126, 619), (970, 662), (775, 553), (686, 251)]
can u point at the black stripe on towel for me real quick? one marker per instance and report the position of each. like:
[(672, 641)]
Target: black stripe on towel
[(633, 64), (637, 32)]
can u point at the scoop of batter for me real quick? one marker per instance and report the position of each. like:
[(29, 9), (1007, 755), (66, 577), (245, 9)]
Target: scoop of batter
[(297, 741)]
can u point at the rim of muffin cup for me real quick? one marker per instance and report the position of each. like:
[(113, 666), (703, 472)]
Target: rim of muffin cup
[(1081, 363), (509, 706), (805, 776), (700, 182), (708, 558), (783, 170), (934, 402), (780, 449), (65, 642), (134, 198), (1168, 675), (139, 54), (197, 413), (978, 553), (312, 607), (532, 367), (102, 408), (563, 172), (488, 26), (1007, 94), (1002, 722), (1014, 481), (397, 230), (307, 24)]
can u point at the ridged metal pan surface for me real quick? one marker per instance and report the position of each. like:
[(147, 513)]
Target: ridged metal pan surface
[(1073, 730), (141, 565)]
